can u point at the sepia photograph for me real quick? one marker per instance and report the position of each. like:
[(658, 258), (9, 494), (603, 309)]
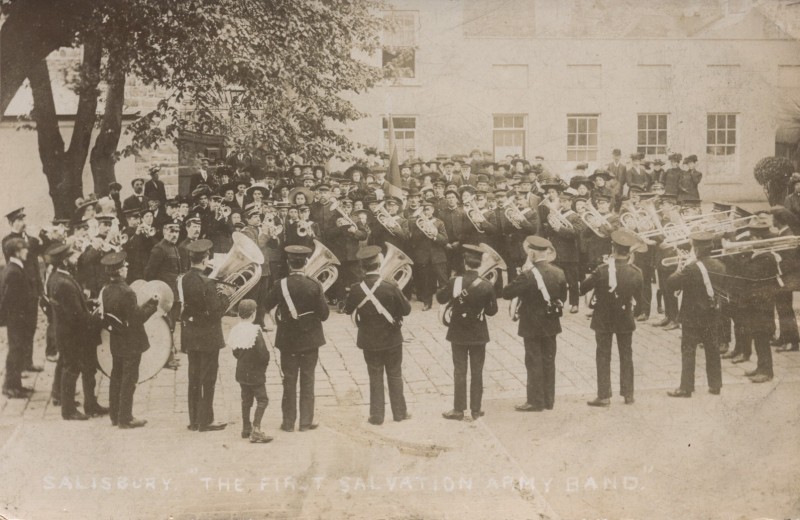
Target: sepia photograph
[(399, 259)]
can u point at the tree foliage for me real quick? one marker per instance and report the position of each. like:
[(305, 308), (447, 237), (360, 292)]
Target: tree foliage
[(773, 173)]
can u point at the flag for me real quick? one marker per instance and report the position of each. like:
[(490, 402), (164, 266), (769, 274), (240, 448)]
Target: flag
[(394, 182)]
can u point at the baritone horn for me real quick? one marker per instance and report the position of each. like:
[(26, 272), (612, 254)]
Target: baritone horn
[(595, 221), (321, 266), (491, 261), (240, 270), (427, 226), (396, 266)]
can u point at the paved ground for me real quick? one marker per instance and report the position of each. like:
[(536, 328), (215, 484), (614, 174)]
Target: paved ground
[(574, 462)]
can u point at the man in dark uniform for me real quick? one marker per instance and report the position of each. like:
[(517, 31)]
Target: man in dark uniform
[(393, 234), (541, 288), (128, 339), (76, 337), (615, 285), (473, 299), (193, 227), (662, 251), (25, 332), (455, 222), (18, 309), (138, 199), (344, 239), (301, 311), (699, 314), (616, 170), (165, 265), (788, 336), (428, 254), (380, 308), (482, 225), (203, 176), (201, 336), (565, 239)]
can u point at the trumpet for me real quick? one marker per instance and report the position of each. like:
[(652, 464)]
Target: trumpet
[(475, 215), (513, 214), (756, 247)]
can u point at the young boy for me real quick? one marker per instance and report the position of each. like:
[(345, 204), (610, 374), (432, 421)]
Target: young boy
[(250, 350)]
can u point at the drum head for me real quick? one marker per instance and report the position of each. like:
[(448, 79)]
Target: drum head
[(153, 359)]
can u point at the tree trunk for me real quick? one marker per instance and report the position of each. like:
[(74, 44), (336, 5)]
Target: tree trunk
[(51, 144), (103, 157)]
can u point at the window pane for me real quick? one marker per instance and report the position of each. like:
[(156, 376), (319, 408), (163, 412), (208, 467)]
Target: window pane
[(642, 137), (731, 150), (731, 137), (720, 136), (497, 121), (571, 140), (711, 121), (581, 125), (518, 122), (732, 121), (662, 137), (651, 121), (651, 136), (711, 137), (593, 124), (581, 139), (571, 125), (662, 121), (592, 139), (642, 122)]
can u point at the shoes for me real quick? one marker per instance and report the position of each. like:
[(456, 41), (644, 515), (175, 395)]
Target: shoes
[(454, 415), (51, 358), (730, 355), (114, 422), (680, 392), (794, 347), (477, 415), (246, 431), (192, 427), (672, 325), (751, 373), (75, 416), (527, 407), (660, 309), (405, 417), (259, 437), (375, 421), (573, 309), (213, 427), (642, 317), (760, 378), (426, 307), (135, 423), (33, 368), (340, 307), (18, 393), (312, 426), (287, 428), (776, 342), (97, 411), (740, 359), (589, 314), (629, 400), (714, 391), (662, 323), (599, 402)]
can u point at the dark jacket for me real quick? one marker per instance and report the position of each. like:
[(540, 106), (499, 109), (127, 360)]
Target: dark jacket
[(75, 333), (382, 236), (18, 297), (425, 251), (343, 243), (203, 309), (534, 321), (565, 240), (164, 264), (35, 249), (613, 312), (120, 300), (455, 222), (133, 202), (468, 324), (687, 185), (515, 237), (670, 180), (251, 363), (155, 190), (305, 333), (90, 273), (697, 311), (374, 331)]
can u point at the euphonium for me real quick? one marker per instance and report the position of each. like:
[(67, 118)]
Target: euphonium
[(321, 266), (491, 261), (386, 220), (474, 215), (239, 270), (595, 221), (427, 226), (396, 266), (558, 221), (513, 214)]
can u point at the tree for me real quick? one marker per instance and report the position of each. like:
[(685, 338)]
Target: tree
[(266, 74)]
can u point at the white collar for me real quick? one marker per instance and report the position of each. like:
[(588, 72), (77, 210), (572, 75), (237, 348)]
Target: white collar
[(15, 260), (63, 271), (377, 271)]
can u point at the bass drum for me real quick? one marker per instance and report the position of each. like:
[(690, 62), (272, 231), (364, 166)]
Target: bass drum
[(158, 334)]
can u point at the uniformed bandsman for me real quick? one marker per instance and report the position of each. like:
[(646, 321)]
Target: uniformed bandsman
[(201, 335), (616, 285), (380, 306), (165, 265), (128, 339), (301, 310), (473, 299), (699, 314), (427, 250)]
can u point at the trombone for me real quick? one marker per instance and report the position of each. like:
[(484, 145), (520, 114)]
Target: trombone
[(756, 247)]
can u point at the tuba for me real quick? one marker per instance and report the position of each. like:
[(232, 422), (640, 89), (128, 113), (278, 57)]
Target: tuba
[(240, 270), (321, 266), (396, 266), (490, 263)]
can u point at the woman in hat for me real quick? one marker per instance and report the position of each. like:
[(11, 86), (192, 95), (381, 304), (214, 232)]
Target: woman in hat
[(689, 180)]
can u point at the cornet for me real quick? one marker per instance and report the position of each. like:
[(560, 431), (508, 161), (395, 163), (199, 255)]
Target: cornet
[(344, 216), (595, 221), (513, 214), (475, 215), (558, 221), (386, 220)]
